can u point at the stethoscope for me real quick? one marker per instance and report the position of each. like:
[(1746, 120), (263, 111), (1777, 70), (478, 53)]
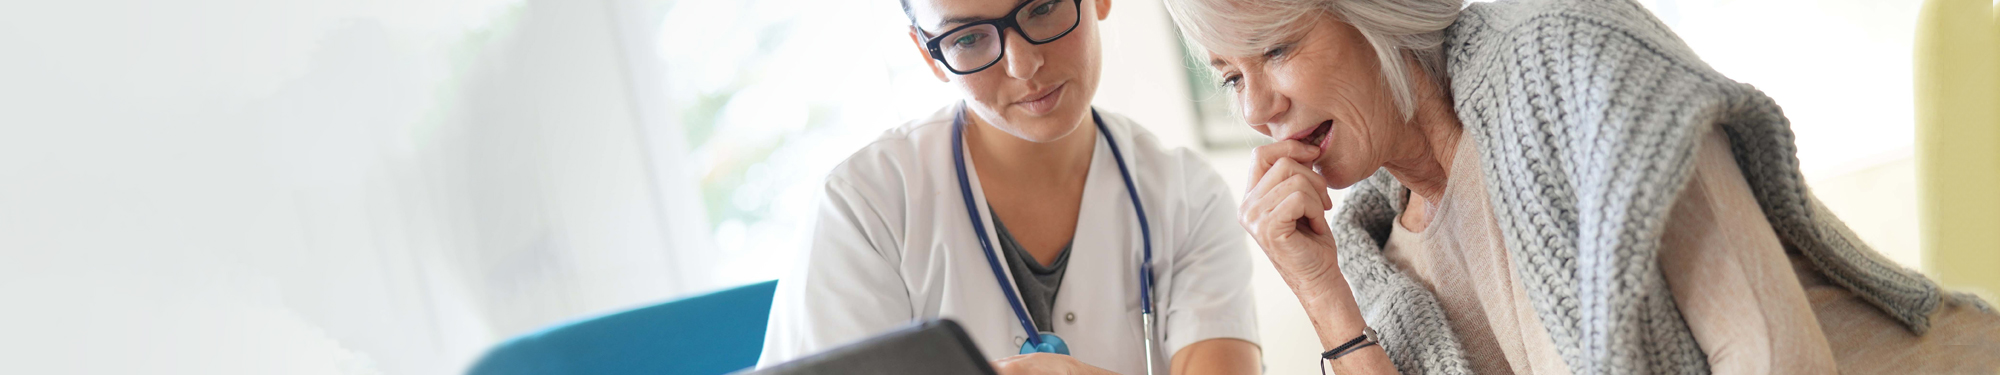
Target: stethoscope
[(1048, 342)]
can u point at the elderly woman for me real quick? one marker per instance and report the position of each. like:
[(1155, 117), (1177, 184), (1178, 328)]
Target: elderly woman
[(1552, 187)]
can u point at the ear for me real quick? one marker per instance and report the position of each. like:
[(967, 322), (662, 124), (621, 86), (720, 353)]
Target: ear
[(926, 54), (1103, 9)]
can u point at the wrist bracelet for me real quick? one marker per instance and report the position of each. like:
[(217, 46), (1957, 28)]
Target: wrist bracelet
[(1366, 339)]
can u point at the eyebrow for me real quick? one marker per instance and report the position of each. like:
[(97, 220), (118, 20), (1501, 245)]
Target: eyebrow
[(1217, 63), (948, 22)]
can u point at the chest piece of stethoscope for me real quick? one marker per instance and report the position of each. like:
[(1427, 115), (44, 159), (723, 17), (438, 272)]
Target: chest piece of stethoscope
[(1050, 344)]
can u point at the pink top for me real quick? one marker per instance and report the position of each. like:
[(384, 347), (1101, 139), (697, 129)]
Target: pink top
[(1725, 266), (1755, 307)]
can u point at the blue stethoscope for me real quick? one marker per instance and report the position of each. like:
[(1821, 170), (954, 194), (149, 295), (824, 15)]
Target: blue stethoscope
[(1048, 342)]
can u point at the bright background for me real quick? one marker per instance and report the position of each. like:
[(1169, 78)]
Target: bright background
[(390, 187)]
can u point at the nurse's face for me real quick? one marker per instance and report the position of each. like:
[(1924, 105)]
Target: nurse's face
[(1039, 93)]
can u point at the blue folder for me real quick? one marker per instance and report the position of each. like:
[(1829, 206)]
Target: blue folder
[(715, 333)]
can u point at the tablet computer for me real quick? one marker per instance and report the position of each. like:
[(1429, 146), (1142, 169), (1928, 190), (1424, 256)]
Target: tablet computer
[(933, 347)]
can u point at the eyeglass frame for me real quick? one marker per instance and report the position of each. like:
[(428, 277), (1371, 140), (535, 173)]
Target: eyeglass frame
[(1001, 25)]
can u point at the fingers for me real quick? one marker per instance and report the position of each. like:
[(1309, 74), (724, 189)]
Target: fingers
[(1271, 208), (1279, 222), (1285, 169), (1290, 214), (1288, 211), (1284, 190), (1298, 185), (1263, 157), (1038, 363), (1318, 221), (1015, 365)]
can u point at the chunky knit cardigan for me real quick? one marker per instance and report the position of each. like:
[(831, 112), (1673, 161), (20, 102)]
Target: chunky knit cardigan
[(1586, 115)]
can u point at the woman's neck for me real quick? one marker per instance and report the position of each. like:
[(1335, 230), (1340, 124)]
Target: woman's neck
[(1422, 161), (1061, 162)]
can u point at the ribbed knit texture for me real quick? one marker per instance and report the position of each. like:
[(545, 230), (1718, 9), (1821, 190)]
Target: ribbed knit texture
[(1587, 113)]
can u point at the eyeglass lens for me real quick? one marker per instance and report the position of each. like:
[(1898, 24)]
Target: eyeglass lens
[(974, 48)]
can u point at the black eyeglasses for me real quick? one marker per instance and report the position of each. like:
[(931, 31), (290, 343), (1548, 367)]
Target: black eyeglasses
[(975, 46)]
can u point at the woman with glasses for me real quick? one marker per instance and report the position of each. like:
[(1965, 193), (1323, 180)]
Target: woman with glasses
[(1062, 238)]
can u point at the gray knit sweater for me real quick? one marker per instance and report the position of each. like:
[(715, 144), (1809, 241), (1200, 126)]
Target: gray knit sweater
[(1586, 115)]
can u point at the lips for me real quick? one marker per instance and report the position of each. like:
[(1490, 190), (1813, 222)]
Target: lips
[(1317, 136), (1042, 102)]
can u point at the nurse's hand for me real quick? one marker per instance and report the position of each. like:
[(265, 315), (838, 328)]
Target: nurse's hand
[(1045, 364), (1285, 211)]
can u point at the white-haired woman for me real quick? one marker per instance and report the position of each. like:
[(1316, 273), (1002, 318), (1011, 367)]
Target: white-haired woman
[(1551, 186)]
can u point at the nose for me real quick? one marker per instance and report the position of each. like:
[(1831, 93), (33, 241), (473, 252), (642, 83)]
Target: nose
[(1023, 58), (1262, 106)]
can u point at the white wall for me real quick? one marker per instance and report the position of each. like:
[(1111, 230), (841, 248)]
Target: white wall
[(223, 187), (1842, 71), (1143, 70)]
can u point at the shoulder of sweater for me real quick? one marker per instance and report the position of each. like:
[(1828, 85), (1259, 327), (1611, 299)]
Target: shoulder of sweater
[(1512, 14), (1508, 25), (1616, 47)]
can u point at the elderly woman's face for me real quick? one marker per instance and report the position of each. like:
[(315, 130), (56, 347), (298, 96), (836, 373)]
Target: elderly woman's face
[(1323, 89), (1036, 92)]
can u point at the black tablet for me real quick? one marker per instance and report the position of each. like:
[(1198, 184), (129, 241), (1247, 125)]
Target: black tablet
[(933, 347)]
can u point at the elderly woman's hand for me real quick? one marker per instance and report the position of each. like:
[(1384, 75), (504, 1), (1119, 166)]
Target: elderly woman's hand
[(1285, 211)]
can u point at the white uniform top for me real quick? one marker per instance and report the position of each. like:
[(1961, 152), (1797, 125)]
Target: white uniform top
[(893, 246)]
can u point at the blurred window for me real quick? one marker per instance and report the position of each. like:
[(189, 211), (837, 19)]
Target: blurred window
[(772, 94)]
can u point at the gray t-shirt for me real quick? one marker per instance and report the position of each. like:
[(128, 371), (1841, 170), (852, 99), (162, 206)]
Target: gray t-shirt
[(1037, 283)]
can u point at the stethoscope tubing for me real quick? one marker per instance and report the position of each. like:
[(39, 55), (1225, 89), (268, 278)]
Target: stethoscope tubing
[(993, 260), (979, 226)]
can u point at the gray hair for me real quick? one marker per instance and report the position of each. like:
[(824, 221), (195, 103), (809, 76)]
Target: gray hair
[(1396, 28)]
